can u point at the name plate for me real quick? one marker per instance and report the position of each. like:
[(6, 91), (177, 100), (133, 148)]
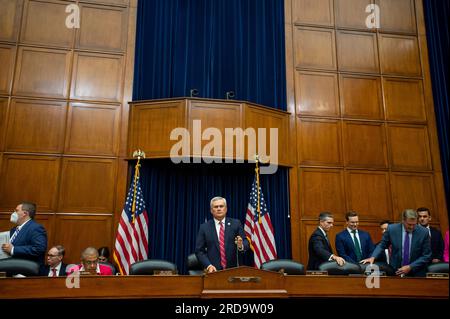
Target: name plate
[(316, 273), (2, 274), (164, 273), (244, 279), (437, 275), (375, 273)]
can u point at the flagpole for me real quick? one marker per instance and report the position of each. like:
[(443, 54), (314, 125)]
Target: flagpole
[(139, 154), (258, 204)]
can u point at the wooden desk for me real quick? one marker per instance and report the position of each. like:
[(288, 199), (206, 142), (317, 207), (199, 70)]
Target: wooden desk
[(243, 282)]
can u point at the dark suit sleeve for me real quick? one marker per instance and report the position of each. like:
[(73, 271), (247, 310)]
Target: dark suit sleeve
[(370, 246), (340, 248), (37, 246), (200, 247), (438, 249), (319, 247)]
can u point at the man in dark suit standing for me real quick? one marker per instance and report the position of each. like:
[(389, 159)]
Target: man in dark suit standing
[(28, 238), (353, 244), (220, 239), (55, 266), (319, 247), (411, 252), (437, 243)]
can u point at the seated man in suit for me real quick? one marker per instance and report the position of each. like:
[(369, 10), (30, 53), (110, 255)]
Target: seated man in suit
[(55, 266), (319, 247), (28, 238), (220, 239), (353, 244), (89, 263), (436, 241), (411, 252)]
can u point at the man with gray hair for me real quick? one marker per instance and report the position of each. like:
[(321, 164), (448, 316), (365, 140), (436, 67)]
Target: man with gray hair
[(319, 247), (220, 241), (89, 264), (411, 252)]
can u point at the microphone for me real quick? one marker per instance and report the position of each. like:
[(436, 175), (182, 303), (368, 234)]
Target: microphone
[(230, 95), (236, 240), (194, 92)]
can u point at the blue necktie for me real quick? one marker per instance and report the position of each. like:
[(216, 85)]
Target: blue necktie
[(406, 250), (14, 236)]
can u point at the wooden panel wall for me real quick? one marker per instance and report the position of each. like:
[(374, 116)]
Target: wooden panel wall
[(64, 115), (362, 104)]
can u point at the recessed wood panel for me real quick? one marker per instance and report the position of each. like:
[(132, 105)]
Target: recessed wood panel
[(42, 72), (7, 56), (319, 12), (265, 120), (351, 13), (319, 142), (53, 31), (361, 97), (89, 231), (3, 112), (404, 99), (413, 191), (368, 193), (29, 178), (92, 129), (114, 2), (322, 190), (97, 77), (213, 115), (36, 126), (151, 126), (399, 55), (87, 185), (104, 28), (365, 144), (409, 147), (397, 16), (10, 19), (314, 48), (317, 93), (357, 52)]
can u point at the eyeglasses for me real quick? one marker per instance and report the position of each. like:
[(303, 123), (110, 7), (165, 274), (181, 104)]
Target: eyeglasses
[(51, 256), (90, 262)]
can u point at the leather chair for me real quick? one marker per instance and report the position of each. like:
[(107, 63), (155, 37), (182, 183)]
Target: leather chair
[(384, 267), (193, 265), (334, 269), (148, 267), (14, 266), (287, 266), (438, 268)]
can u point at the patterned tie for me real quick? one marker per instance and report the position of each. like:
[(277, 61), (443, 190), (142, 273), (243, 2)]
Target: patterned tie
[(53, 272), (406, 250), (357, 246), (14, 236), (223, 258)]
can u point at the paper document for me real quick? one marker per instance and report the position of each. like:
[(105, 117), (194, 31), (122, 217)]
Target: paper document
[(4, 239)]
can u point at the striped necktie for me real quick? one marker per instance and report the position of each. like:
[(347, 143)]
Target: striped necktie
[(14, 236), (223, 258)]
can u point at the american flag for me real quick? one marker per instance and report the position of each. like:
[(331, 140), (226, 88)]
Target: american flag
[(259, 229), (132, 236)]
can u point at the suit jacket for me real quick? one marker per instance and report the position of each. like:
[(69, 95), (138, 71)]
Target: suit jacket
[(207, 244), (102, 270), (420, 254), (31, 242), (319, 250), (345, 246), (437, 244), (46, 269)]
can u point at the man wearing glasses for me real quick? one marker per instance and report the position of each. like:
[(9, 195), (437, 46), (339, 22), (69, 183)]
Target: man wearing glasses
[(89, 264), (55, 267)]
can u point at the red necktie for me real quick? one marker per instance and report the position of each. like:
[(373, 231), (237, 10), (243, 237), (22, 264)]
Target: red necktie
[(223, 258), (53, 272)]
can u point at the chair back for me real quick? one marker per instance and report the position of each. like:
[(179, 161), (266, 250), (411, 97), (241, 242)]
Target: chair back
[(15, 266), (148, 267), (334, 269), (194, 266), (287, 266), (438, 268)]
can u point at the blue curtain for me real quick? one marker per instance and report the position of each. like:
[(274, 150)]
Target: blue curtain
[(437, 17), (177, 198), (214, 46)]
